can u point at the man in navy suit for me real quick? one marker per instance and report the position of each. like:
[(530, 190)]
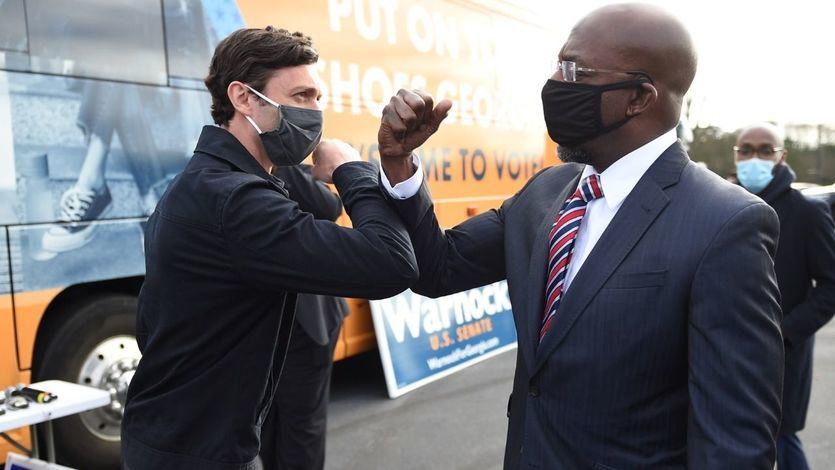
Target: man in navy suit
[(643, 286)]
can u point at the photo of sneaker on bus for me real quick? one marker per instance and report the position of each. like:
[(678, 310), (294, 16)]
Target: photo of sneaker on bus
[(78, 207), (104, 117), (121, 112)]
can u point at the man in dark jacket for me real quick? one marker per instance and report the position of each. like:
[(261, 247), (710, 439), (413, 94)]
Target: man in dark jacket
[(805, 266), (226, 250), (293, 436)]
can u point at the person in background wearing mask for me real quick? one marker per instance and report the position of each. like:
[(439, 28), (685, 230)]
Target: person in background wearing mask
[(643, 286), (805, 266), (293, 436), (226, 250)]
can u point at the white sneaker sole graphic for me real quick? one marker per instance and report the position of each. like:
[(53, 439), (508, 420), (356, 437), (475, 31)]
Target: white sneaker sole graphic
[(59, 240)]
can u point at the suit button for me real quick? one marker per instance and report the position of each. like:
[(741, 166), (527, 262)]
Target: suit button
[(534, 391)]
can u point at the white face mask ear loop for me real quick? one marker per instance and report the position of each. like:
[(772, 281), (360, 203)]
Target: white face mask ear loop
[(263, 97), (251, 121)]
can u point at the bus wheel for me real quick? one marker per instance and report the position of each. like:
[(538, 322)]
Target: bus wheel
[(95, 345)]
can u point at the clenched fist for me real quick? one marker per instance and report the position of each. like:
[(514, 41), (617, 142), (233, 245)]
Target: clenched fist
[(329, 154), (409, 119)]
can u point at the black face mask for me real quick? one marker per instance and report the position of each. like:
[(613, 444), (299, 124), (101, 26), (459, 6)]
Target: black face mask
[(572, 110), (295, 136)]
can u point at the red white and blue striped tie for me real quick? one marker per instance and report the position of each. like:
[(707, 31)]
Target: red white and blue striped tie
[(561, 246)]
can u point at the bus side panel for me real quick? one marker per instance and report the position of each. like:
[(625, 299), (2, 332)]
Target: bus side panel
[(358, 329), (29, 310), (10, 373), (141, 136), (135, 137), (494, 139)]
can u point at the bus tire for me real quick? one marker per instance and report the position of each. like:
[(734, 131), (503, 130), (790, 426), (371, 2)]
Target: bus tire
[(95, 345)]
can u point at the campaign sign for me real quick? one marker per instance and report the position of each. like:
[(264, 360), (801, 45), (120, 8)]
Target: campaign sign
[(19, 462), (422, 340)]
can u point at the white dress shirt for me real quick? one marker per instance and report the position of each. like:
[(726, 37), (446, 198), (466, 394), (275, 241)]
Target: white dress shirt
[(408, 188), (617, 182)]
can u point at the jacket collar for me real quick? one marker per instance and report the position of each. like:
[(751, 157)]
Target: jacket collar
[(782, 183), (220, 143)]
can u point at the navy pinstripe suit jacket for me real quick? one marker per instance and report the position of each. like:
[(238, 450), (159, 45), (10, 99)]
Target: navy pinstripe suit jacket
[(666, 351)]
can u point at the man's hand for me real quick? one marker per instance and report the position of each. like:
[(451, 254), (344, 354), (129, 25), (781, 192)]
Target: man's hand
[(329, 154), (408, 121)]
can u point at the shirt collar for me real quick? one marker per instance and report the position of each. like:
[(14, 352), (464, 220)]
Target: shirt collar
[(621, 177)]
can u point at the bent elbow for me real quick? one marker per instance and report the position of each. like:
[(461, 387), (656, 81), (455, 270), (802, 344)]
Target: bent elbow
[(426, 290), (408, 273), (406, 268), (402, 276), (432, 287)]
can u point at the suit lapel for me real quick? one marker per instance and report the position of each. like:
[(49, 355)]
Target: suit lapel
[(538, 264), (640, 209)]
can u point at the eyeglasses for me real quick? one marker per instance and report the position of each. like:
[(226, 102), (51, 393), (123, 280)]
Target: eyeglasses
[(569, 70), (766, 151)]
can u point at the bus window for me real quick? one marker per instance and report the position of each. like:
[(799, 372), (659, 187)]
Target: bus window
[(12, 26), (89, 38), (192, 30)]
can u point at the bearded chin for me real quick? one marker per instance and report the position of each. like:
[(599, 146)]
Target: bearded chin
[(574, 155)]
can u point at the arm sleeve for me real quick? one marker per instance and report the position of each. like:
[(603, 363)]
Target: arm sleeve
[(277, 246), (312, 195), (819, 306), (468, 255), (735, 347)]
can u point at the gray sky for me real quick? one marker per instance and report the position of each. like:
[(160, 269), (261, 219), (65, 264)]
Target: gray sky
[(758, 60)]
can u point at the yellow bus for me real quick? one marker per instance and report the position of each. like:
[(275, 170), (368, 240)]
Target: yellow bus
[(101, 103)]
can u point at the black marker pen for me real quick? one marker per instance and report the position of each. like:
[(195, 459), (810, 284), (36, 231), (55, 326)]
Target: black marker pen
[(35, 395)]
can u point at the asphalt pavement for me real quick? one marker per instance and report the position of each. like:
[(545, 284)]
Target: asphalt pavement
[(459, 422), (819, 435)]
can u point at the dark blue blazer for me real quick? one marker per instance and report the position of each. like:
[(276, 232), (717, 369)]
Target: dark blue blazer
[(666, 350)]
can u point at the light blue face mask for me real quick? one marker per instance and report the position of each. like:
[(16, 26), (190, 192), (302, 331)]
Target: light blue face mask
[(755, 174)]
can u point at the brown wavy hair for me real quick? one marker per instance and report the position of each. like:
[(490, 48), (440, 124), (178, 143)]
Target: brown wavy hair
[(251, 56)]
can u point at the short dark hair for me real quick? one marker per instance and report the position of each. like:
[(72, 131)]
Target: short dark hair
[(251, 56)]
